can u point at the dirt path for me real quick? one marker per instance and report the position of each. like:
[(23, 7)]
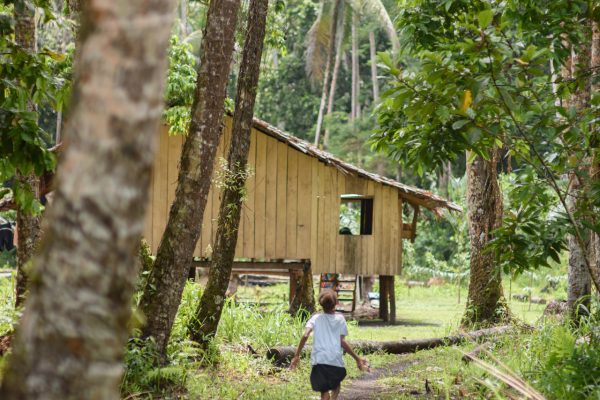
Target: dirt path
[(367, 386)]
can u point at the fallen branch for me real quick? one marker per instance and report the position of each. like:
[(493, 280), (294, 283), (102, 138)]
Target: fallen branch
[(283, 355), (482, 348)]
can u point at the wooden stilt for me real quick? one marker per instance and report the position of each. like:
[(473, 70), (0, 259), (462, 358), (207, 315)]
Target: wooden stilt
[(392, 295), (383, 298)]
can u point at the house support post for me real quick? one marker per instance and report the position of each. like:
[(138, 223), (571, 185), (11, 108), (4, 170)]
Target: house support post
[(387, 298)]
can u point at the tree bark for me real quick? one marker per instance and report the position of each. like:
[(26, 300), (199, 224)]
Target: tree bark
[(375, 82), (580, 254), (485, 302), (204, 327), (303, 300), (367, 286), (28, 223), (384, 311), (174, 256), (330, 60), (595, 167), (69, 342)]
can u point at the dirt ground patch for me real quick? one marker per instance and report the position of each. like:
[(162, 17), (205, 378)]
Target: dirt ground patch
[(367, 386)]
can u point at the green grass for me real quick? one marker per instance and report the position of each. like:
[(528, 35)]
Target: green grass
[(231, 372), (8, 315)]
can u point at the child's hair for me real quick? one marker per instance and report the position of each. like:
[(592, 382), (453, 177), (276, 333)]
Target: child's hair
[(328, 300)]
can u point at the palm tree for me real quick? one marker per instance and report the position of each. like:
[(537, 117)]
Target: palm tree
[(323, 41)]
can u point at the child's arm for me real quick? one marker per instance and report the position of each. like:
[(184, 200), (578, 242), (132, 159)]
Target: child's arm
[(361, 363), (303, 340)]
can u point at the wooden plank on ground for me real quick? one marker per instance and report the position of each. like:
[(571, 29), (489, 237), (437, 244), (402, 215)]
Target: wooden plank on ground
[(291, 228), (281, 233)]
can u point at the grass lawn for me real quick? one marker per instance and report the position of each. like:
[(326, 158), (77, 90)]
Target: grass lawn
[(237, 374)]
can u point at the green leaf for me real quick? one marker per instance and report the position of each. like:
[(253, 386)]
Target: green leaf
[(459, 124), (485, 18)]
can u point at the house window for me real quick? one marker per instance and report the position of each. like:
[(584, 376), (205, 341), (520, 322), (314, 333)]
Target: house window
[(356, 215)]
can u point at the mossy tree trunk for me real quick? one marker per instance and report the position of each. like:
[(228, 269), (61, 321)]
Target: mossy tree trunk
[(161, 300), (303, 300), (485, 303), (208, 313), (28, 223), (69, 342)]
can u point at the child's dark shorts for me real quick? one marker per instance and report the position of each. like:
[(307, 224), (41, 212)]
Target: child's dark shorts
[(324, 378)]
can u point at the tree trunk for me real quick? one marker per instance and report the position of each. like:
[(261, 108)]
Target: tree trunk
[(595, 143), (579, 277), (392, 295), (336, 69), (444, 178), (204, 327), (485, 302), (29, 228), (304, 296), (28, 223), (374, 80), (69, 343), (174, 256), (367, 286), (579, 280), (384, 311), (330, 60), (355, 72)]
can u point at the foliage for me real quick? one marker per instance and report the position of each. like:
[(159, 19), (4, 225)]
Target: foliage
[(478, 77), (8, 315), (181, 83), (29, 83)]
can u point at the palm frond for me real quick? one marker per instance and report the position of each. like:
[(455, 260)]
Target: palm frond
[(317, 44), (378, 10)]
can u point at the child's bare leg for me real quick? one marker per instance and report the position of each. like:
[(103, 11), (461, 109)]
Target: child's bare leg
[(335, 392), (325, 396)]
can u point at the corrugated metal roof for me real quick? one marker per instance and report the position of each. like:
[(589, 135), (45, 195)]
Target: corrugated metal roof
[(412, 194)]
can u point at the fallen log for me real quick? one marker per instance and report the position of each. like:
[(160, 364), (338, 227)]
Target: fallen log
[(283, 355)]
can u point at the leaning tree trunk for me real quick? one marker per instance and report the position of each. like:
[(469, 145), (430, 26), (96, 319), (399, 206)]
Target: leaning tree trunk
[(330, 60), (69, 343), (208, 314), (174, 256), (485, 303), (28, 222)]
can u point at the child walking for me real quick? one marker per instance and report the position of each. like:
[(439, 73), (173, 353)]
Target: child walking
[(330, 330)]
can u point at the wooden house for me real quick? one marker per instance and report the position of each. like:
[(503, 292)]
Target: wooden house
[(296, 196)]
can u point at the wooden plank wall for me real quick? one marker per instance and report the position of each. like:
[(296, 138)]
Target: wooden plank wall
[(291, 210)]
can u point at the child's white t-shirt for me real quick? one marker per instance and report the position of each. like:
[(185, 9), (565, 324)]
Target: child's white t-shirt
[(327, 346)]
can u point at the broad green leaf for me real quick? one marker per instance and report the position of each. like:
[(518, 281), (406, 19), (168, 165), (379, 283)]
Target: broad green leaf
[(485, 18)]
